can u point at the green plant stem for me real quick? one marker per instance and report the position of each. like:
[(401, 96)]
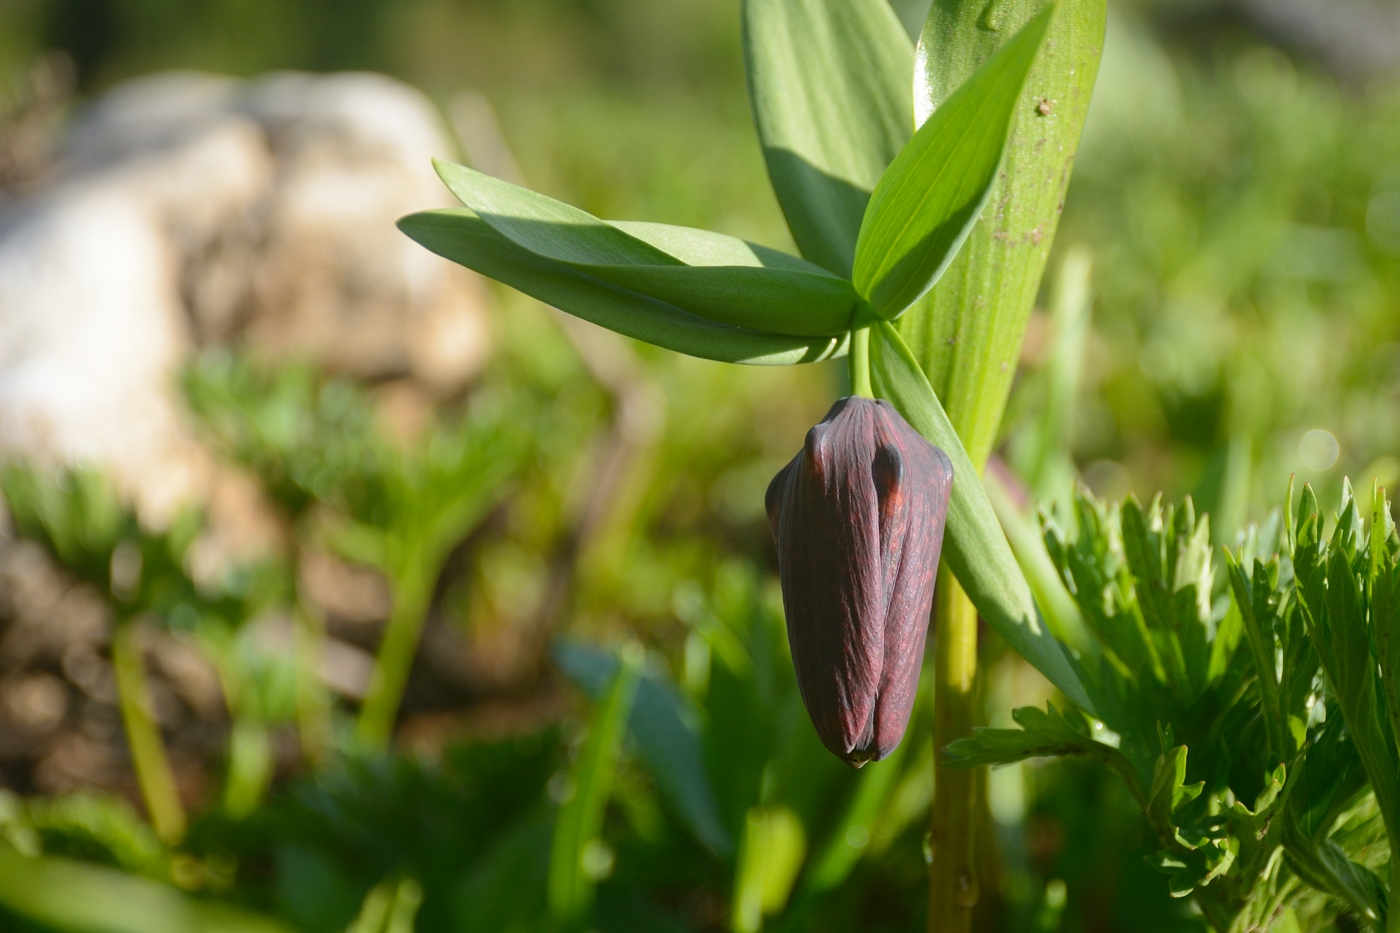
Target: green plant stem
[(148, 758), (1392, 912), (953, 889), (412, 593), (249, 767), (313, 709), (858, 357)]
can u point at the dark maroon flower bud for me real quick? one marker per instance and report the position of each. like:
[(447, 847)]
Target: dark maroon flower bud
[(858, 519)]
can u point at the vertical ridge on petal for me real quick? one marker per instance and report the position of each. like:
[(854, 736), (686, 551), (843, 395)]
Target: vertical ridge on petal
[(857, 519)]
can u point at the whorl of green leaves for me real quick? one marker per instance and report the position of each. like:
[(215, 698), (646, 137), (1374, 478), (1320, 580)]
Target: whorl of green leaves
[(878, 210), (77, 515), (832, 114)]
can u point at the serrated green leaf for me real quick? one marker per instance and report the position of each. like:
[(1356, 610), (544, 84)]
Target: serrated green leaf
[(1261, 646), (463, 237), (1169, 788), (829, 83), (931, 195), (1335, 613), (1385, 606), (967, 332), (974, 545), (1043, 734), (718, 277), (1309, 518), (1327, 779)]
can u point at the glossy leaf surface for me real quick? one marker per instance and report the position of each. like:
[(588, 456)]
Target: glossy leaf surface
[(718, 277), (966, 333), (829, 86), (974, 545), (465, 238), (931, 195)]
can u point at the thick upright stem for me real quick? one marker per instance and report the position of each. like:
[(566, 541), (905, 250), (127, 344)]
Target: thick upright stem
[(1392, 915), (412, 593), (953, 888), (153, 774)]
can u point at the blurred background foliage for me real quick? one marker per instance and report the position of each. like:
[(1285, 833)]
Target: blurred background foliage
[(1223, 311)]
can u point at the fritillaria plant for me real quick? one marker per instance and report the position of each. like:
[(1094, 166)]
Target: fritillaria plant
[(885, 157)]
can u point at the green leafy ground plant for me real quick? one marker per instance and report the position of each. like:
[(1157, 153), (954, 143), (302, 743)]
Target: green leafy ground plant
[(1244, 723)]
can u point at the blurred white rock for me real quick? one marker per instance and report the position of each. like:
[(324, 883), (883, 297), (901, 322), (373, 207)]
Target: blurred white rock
[(185, 210)]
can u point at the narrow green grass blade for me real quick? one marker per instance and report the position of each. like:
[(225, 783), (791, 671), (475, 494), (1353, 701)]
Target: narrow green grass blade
[(966, 333), (580, 819), (718, 277), (668, 739), (973, 544), (932, 194), (829, 86), (463, 237)]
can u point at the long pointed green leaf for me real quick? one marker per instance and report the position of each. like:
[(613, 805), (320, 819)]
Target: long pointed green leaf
[(931, 195), (544, 226), (580, 819), (974, 545), (966, 333), (829, 85), (465, 238), (1055, 602), (668, 739), (715, 276)]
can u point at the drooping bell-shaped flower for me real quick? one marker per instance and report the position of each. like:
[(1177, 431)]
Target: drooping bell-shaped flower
[(858, 520)]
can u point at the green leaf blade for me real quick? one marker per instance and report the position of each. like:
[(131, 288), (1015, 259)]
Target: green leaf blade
[(546, 227), (1043, 734), (463, 237), (666, 737), (966, 333), (974, 545), (580, 819), (928, 200), (718, 277), (829, 84), (796, 304)]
